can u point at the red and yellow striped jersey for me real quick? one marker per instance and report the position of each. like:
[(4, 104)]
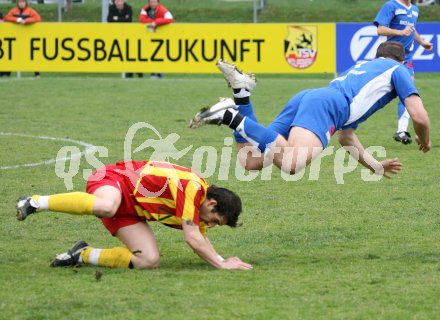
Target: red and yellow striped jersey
[(165, 192)]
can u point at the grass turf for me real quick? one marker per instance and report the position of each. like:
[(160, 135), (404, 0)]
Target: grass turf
[(320, 250)]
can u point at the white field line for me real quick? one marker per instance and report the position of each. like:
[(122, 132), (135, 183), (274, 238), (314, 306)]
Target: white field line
[(88, 149)]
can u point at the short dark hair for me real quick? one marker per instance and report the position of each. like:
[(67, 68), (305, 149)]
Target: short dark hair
[(391, 49), (228, 204)]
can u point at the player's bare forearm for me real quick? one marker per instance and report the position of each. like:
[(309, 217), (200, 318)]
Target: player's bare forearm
[(422, 131), (351, 143), (349, 140), (204, 249), (201, 246), (388, 32), (421, 121), (417, 37), (425, 44)]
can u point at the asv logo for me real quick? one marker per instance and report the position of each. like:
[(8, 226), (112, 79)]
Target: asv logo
[(306, 53), (364, 43)]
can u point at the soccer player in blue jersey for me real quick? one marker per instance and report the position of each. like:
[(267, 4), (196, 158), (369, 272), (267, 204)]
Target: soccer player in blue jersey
[(304, 127), (397, 20)]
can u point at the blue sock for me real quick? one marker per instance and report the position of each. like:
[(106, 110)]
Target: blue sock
[(256, 134), (248, 111)]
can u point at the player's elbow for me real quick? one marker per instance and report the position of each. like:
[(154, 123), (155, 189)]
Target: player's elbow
[(343, 138), (381, 30)]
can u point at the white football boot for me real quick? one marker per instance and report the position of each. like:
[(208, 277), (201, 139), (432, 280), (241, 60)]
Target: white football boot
[(212, 115), (25, 206), (71, 257), (236, 78)]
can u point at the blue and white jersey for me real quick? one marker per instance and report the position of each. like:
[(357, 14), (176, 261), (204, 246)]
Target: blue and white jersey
[(370, 85), (395, 15)]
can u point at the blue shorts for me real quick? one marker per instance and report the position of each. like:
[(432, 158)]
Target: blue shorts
[(409, 66), (321, 111), (400, 106)]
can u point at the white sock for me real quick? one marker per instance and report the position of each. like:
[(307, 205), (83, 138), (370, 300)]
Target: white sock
[(94, 257), (242, 94), (403, 122), (43, 202)]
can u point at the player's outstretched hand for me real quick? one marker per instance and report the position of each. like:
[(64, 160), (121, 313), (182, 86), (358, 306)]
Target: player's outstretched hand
[(423, 147), (236, 263), (391, 166), (427, 45)]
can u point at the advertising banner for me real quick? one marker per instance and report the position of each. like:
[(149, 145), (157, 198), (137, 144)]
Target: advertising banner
[(359, 41), (175, 48)]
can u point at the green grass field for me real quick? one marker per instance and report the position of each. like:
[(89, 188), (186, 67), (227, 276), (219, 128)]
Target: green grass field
[(320, 250)]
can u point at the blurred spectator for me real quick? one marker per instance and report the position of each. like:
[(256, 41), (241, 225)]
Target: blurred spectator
[(2, 73), (154, 15), (120, 11), (68, 6), (424, 2), (23, 14)]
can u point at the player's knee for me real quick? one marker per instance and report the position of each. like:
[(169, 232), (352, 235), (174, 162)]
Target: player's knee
[(105, 207), (291, 171), (151, 262), (251, 164), (249, 160), (292, 167)]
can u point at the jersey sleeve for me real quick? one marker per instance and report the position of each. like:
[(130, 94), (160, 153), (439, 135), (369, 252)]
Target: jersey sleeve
[(353, 126), (403, 83), (203, 228), (384, 16)]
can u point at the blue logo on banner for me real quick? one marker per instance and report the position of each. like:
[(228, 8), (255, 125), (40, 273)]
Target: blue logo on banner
[(359, 41)]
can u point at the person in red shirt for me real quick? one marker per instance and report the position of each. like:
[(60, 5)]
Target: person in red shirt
[(23, 14), (154, 15), (126, 196)]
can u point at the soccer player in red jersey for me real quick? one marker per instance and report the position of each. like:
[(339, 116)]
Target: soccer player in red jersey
[(127, 195)]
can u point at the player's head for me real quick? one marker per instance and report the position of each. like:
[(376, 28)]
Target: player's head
[(119, 4), (153, 3), (391, 49), (22, 3), (228, 204)]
